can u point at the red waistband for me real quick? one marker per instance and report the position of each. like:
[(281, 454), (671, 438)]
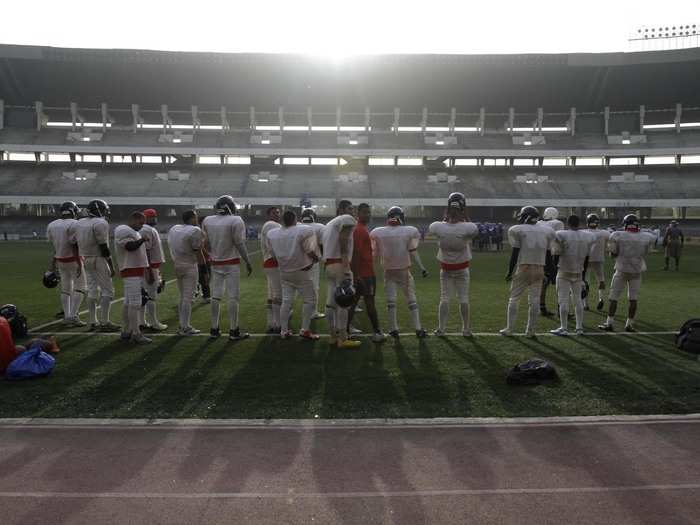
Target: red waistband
[(270, 263), (226, 262), (333, 261), (132, 272), (67, 259), (155, 265), (452, 267)]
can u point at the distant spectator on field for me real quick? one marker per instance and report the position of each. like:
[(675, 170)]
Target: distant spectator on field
[(673, 242)]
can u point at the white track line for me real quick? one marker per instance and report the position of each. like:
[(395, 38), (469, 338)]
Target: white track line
[(36, 329), (365, 335), (359, 494), (429, 424)]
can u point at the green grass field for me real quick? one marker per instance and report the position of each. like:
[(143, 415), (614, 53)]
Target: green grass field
[(97, 376)]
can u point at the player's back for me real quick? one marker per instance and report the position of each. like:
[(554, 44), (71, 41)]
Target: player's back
[(573, 247), (393, 245), (631, 248), (454, 240), (58, 233), (183, 240), (223, 233), (154, 245), (264, 242), (126, 258), (290, 246), (331, 236), (600, 243), (89, 233), (532, 240)]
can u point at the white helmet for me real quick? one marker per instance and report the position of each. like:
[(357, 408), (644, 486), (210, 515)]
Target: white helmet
[(550, 213)]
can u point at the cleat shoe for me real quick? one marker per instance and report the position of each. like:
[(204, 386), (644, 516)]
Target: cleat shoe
[(505, 331), (354, 330), (421, 334), (579, 331), (349, 343), (606, 327), (630, 329), (531, 335), (159, 327), (188, 332), (287, 334), (214, 333), (317, 315), (206, 300), (378, 337), (109, 326), (359, 309), (94, 327), (394, 334), (467, 333), (438, 333), (559, 331), (237, 335), (141, 339), (309, 335), (125, 337), (600, 305)]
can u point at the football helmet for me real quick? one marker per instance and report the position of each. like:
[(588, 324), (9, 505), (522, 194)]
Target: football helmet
[(98, 208), (456, 200), (308, 216), (550, 214), (225, 205), (592, 220), (69, 208), (528, 215), (630, 221), (395, 212), (344, 293), (17, 322), (51, 279)]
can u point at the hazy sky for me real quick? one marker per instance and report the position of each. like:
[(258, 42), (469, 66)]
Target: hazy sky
[(336, 29)]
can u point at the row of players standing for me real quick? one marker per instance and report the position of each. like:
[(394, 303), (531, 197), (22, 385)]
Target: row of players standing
[(292, 254)]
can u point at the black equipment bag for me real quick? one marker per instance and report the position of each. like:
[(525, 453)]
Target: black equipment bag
[(688, 338), (531, 372)]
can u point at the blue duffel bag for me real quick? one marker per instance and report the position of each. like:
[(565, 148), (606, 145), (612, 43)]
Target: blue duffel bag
[(33, 362)]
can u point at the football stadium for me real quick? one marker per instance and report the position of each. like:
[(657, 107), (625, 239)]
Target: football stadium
[(408, 288)]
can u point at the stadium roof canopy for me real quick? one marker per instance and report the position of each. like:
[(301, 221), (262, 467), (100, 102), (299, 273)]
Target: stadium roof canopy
[(556, 82)]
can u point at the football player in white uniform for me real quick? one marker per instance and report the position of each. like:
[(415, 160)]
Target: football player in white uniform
[(394, 245), (272, 271), (530, 243), (454, 236), (550, 219), (66, 260), (628, 247), (185, 242), (571, 248), (225, 234), (596, 258), (130, 249), (295, 249), (337, 253), (308, 217), (91, 235), (152, 279)]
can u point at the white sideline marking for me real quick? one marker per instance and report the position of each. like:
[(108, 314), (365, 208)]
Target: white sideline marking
[(429, 424), (359, 494), (366, 335), (83, 312)]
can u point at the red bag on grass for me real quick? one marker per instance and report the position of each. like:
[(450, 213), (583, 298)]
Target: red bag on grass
[(8, 352)]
